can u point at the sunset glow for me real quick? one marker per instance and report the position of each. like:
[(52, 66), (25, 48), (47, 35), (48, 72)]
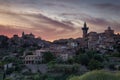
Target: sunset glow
[(55, 19)]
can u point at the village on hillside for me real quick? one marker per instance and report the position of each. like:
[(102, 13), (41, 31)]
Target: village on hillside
[(28, 57)]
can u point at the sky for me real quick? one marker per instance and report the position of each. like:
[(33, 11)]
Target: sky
[(56, 19)]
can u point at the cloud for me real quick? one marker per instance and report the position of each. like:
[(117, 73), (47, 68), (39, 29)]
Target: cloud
[(96, 21), (57, 4), (68, 22), (100, 23), (40, 25), (109, 6), (50, 35), (39, 20)]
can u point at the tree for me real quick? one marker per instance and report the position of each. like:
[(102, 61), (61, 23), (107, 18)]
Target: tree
[(1, 63), (112, 66), (80, 51), (37, 77), (94, 64), (99, 57), (70, 60), (48, 56), (82, 59)]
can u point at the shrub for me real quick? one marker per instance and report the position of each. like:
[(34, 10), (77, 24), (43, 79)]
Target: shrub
[(48, 57), (112, 66), (94, 64), (82, 59), (65, 68)]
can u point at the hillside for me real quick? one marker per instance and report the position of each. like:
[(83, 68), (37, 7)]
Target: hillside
[(98, 75)]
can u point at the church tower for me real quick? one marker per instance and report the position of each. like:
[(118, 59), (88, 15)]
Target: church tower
[(109, 32), (85, 30)]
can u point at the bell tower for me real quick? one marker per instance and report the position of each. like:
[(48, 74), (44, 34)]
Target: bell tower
[(85, 30)]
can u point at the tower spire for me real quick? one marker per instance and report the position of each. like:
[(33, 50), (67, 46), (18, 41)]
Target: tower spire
[(85, 25), (85, 30)]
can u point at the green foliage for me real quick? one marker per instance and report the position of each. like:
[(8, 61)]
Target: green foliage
[(99, 57), (91, 54), (65, 68), (9, 71), (9, 60), (90, 59), (48, 56), (51, 64), (36, 77), (12, 60), (21, 51), (42, 77), (49, 78), (117, 54), (82, 59), (71, 60), (94, 64), (97, 75), (8, 79), (1, 63), (80, 51), (112, 66)]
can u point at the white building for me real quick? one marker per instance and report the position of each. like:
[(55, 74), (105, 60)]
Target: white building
[(35, 58), (32, 59)]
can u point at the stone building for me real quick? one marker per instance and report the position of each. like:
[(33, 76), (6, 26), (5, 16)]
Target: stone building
[(99, 41), (34, 58)]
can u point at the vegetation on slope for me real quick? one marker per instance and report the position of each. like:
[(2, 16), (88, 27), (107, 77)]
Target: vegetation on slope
[(98, 75)]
